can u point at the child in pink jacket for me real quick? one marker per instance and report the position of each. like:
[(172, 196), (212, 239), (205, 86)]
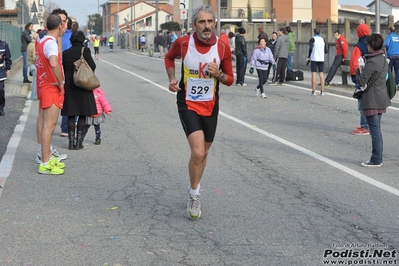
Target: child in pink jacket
[(103, 107)]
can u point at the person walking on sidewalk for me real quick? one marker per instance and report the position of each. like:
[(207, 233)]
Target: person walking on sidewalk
[(103, 107), (241, 57), (25, 40), (50, 91), (375, 100), (291, 49), (317, 49), (206, 63), (160, 42), (392, 47), (341, 46), (360, 49), (281, 54), (5, 66), (261, 59)]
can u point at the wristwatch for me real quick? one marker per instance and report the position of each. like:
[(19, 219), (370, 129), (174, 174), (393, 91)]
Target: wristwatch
[(221, 76)]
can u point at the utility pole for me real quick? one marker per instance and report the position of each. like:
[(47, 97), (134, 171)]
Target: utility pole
[(218, 17), (156, 18)]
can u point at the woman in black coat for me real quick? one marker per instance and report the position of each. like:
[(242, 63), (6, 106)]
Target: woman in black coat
[(77, 101)]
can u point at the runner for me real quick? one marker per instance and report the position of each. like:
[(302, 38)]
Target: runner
[(206, 63)]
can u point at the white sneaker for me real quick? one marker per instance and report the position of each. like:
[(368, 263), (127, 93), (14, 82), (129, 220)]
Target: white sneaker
[(244, 84), (56, 155), (322, 93), (194, 206), (263, 95), (257, 91)]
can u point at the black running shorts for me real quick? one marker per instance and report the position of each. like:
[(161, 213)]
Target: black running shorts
[(192, 122)]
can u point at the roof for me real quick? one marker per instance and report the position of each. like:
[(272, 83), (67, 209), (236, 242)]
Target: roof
[(353, 7), (7, 12), (389, 2)]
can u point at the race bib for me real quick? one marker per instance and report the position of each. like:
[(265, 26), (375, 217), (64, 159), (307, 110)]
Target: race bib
[(199, 90)]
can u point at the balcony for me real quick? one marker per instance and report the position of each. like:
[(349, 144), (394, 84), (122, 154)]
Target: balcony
[(241, 13)]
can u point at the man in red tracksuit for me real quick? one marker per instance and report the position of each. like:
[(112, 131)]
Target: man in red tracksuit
[(341, 45)]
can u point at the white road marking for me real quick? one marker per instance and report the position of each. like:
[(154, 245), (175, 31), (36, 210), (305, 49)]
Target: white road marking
[(319, 157)]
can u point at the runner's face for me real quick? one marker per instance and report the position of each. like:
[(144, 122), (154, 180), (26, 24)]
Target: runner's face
[(262, 43), (204, 25)]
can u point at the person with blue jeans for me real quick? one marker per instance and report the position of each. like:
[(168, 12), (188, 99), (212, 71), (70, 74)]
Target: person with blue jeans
[(25, 40), (360, 49), (66, 44), (375, 99)]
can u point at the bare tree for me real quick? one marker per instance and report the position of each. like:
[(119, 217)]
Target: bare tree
[(50, 6)]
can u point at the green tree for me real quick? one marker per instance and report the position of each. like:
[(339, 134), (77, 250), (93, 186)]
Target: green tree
[(170, 26), (95, 23), (249, 11)]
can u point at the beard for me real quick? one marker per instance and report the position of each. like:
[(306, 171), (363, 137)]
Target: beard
[(205, 34)]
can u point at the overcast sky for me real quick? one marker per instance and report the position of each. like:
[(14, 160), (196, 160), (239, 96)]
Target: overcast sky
[(363, 3)]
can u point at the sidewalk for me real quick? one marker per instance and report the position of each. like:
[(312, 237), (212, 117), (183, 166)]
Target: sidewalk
[(14, 85)]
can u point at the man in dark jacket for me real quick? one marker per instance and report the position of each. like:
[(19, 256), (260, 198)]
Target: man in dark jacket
[(160, 42), (5, 66), (241, 57), (25, 40)]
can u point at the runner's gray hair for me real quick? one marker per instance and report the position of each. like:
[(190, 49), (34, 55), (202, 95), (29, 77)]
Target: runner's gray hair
[(205, 8)]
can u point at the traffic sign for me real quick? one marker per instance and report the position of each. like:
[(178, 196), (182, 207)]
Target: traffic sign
[(184, 4), (183, 14)]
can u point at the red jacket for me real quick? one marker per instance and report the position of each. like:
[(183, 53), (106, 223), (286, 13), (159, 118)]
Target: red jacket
[(341, 45), (362, 30)]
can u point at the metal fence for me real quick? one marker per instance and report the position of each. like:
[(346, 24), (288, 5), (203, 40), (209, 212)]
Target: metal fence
[(11, 35)]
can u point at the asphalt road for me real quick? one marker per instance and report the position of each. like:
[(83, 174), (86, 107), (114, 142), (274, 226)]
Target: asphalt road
[(283, 185)]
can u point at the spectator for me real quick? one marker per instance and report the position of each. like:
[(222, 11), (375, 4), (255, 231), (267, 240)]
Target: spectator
[(31, 50), (281, 54), (317, 49), (262, 33), (341, 46), (111, 43), (50, 91), (5, 60), (66, 44), (241, 57), (291, 49), (392, 47), (224, 37), (78, 101), (142, 42), (25, 40), (360, 49), (271, 43), (375, 100), (160, 42)]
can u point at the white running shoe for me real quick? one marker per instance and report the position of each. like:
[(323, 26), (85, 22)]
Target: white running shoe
[(263, 95), (194, 206), (56, 155)]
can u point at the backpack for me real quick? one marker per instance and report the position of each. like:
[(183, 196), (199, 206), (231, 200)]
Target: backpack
[(391, 85)]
